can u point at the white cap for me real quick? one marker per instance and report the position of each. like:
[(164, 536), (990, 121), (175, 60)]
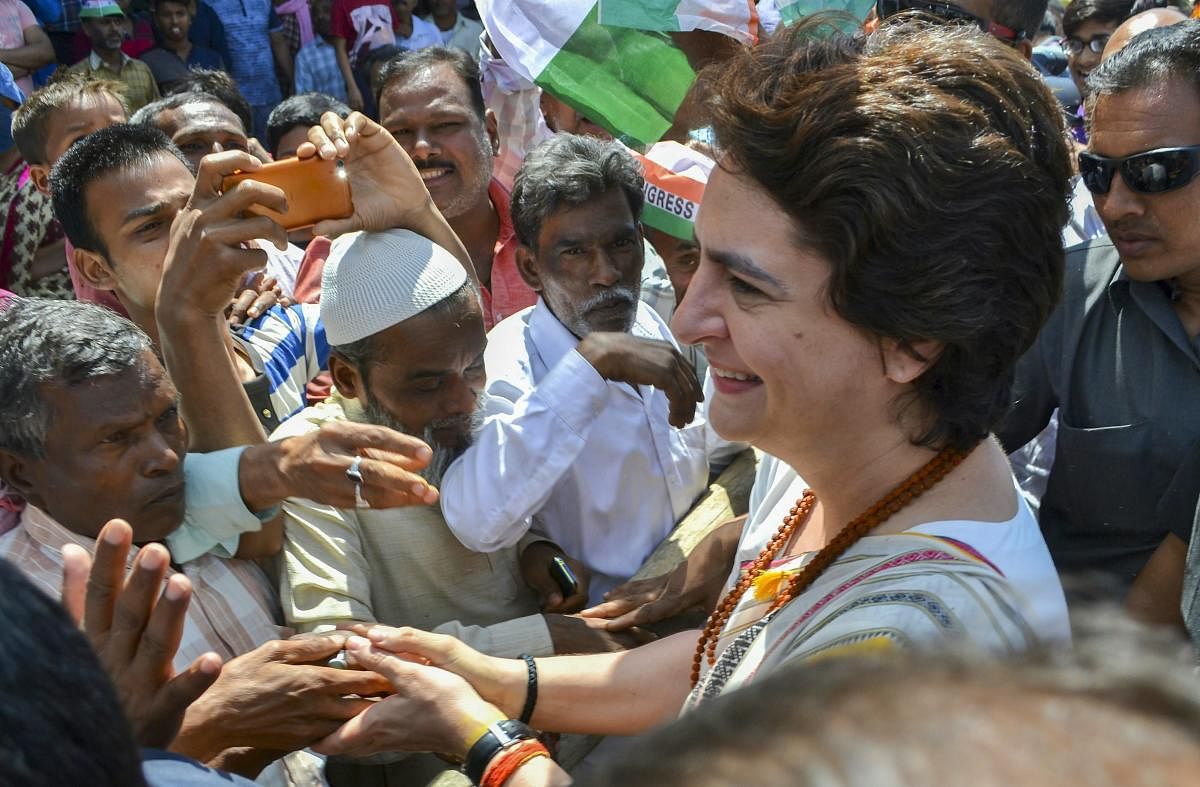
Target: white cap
[(374, 280)]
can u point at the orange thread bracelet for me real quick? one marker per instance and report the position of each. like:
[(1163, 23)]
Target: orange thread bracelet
[(507, 762)]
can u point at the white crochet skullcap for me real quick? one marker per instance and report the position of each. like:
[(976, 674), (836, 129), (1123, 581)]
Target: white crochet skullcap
[(374, 280)]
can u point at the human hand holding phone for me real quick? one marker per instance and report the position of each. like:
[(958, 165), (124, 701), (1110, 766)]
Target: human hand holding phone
[(315, 190), (207, 257), (388, 190), (560, 582)]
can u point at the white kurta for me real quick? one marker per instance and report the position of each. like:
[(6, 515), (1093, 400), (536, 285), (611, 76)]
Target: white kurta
[(593, 465)]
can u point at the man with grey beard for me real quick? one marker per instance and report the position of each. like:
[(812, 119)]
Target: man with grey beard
[(592, 435), (406, 351)]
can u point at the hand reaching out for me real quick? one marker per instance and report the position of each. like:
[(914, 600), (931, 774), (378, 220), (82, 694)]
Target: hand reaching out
[(136, 631)]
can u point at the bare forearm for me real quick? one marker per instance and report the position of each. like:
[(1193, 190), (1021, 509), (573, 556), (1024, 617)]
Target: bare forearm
[(343, 61), (607, 694), (434, 226), (213, 402), (30, 57)]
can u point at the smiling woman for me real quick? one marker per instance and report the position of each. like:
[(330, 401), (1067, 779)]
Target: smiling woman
[(879, 245)]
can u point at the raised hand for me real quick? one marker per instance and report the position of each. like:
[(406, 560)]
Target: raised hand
[(136, 631), (262, 294), (385, 187), (637, 361), (207, 259)]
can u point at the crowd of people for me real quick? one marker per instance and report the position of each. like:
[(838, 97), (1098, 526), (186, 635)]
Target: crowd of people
[(424, 492)]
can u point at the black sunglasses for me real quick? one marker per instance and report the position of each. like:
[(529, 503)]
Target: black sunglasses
[(949, 13), (1149, 172)]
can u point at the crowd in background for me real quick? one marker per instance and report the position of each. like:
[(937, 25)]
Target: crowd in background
[(689, 393)]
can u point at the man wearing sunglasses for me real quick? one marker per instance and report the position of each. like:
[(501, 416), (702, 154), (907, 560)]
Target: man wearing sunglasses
[(1120, 358), (1012, 21)]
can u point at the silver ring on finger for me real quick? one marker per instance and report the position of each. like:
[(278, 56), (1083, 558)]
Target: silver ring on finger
[(354, 473)]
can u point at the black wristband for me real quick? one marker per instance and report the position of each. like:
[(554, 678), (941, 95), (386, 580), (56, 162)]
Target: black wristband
[(498, 737), (530, 689)]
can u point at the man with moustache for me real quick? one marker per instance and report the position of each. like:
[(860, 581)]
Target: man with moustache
[(431, 100), (589, 437), (1120, 356)]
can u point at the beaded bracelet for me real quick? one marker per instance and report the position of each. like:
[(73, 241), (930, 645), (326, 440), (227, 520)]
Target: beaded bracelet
[(506, 763)]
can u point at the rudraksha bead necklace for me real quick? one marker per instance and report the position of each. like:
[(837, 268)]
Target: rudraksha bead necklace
[(912, 488)]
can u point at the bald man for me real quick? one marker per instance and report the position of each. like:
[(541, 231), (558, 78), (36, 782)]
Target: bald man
[(1140, 23)]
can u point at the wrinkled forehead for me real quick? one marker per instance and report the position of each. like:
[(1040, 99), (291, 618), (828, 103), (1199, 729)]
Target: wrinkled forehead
[(204, 117), (128, 396), (426, 90)]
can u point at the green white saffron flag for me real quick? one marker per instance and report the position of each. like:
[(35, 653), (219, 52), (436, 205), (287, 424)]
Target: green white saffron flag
[(737, 19), (631, 81)]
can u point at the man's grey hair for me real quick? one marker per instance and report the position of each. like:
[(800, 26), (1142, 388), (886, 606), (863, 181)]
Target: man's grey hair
[(1150, 58), (44, 342), (569, 169)]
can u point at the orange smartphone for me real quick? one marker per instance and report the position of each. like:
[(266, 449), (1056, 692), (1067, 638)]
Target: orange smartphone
[(317, 189)]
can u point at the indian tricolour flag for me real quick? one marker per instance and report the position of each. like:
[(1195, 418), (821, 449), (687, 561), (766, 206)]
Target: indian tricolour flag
[(675, 179), (626, 75)]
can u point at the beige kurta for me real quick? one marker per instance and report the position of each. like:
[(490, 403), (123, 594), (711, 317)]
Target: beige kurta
[(400, 567)]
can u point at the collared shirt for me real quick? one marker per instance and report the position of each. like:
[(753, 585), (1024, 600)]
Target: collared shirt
[(463, 34), (134, 75), (506, 293), (169, 68), (595, 463), (401, 567), (248, 24), (317, 70), (232, 610), (424, 34), (1117, 363)]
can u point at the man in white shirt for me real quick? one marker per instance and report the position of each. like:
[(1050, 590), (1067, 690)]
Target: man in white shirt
[(455, 29), (591, 435)]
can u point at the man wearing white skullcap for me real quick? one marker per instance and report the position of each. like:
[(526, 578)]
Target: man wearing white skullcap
[(406, 335)]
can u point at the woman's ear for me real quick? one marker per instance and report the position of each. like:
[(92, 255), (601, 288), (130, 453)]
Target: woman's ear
[(905, 360)]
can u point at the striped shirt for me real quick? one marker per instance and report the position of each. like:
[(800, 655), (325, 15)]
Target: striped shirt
[(287, 347), (233, 608), (232, 611)]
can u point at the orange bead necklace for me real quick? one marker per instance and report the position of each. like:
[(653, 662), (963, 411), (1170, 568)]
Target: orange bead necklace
[(912, 488)]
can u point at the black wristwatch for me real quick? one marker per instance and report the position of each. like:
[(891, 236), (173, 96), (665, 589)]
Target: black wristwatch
[(499, 736)]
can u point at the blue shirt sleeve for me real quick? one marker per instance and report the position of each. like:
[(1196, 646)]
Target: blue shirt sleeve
[(167, 769)]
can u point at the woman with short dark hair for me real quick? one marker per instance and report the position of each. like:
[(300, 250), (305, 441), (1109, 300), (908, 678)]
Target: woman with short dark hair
[(879, 245)]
